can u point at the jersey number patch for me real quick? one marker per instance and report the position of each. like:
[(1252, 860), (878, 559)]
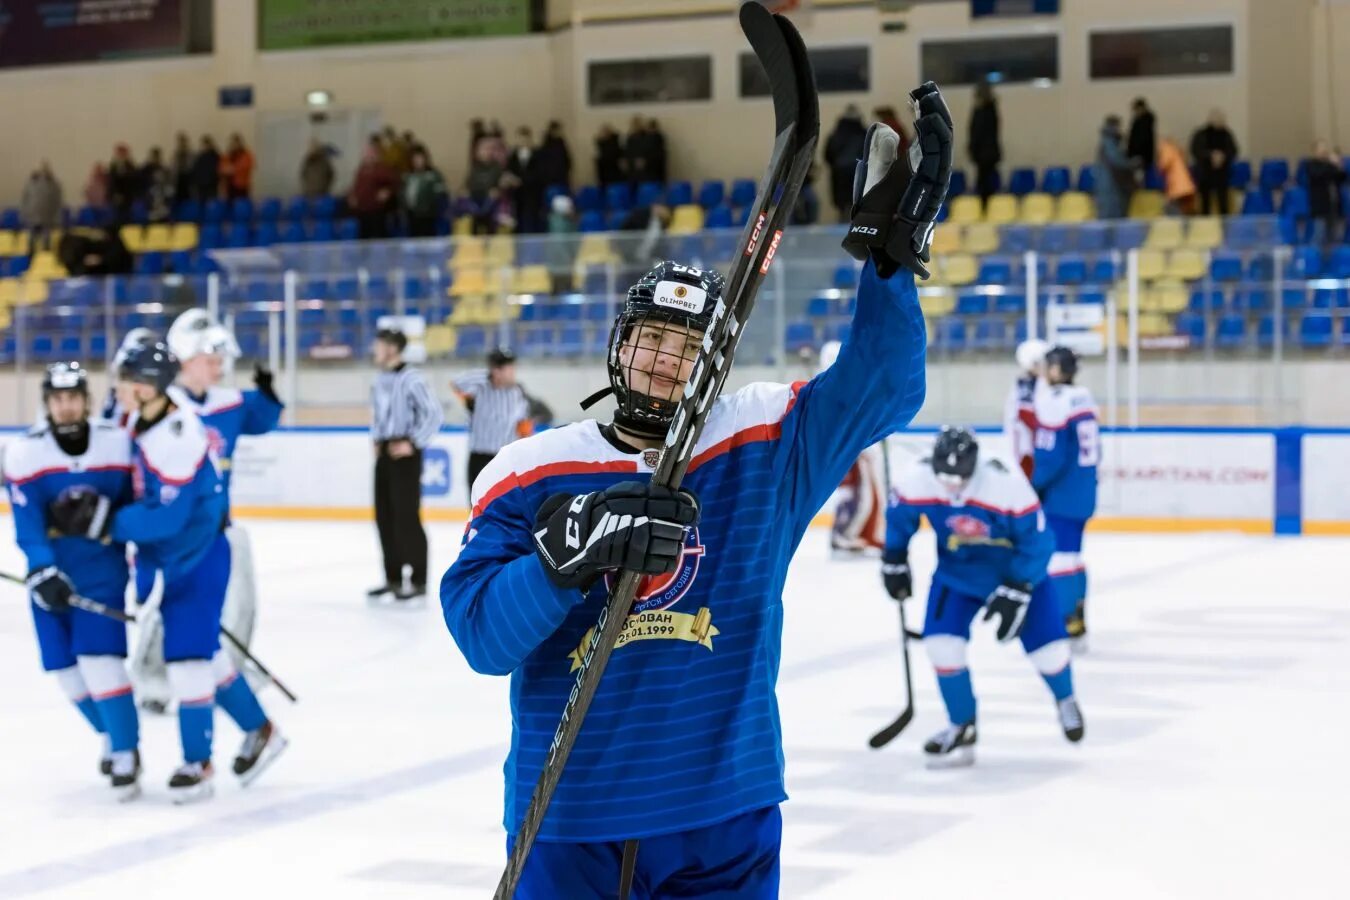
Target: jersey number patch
[(1089, 443)]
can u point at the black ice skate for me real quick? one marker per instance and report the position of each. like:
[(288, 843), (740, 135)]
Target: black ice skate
[(192, 782), (951, 748), (376, 594), (260, 749), (105, 760), (417, 594), (124, 772), (1071, 719), (155, 706)]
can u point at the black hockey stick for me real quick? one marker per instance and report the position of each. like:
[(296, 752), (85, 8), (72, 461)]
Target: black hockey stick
[(99, 609), (892, 731), (781, 52)]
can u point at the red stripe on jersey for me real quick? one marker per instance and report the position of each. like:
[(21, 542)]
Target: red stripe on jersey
[(175, 482), (767, 432), (530, 476), (988, 507)]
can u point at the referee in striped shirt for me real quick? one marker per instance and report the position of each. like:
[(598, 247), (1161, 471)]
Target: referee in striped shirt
[(499, 409), (406, 418)]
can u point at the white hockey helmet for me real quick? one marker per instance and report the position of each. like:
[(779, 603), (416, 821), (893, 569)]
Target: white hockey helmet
[(136, 337), (829, 352), (1031, 353), (194, 333)]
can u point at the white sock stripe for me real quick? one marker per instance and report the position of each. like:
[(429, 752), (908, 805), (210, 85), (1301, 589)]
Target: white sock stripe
[(1052, 658), (222, 668), (945, 651), (72, 683), (191, 680), (1063, 563), (104, 675)]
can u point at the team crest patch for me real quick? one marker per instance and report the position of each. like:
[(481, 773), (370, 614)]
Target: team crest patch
[(652, 618), (650, 458), (971, 531)]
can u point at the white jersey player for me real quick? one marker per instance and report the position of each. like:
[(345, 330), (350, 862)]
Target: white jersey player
[(1019, 412)]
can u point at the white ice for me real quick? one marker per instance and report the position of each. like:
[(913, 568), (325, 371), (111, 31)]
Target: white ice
[(1216, 695)]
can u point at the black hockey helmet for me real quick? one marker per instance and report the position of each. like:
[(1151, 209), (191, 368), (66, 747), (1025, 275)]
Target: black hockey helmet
[(670, 294), (64, 376), (955, 453), (500, 356), (152, 363), (1065, 359)]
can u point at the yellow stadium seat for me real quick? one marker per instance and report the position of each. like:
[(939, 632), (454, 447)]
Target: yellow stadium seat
[(936, 302), (468, 282), (469, 251), (1002, 209), (946, 238), (1075, 206), (501, 250), (1169, 296), (686, 219), (981, 238), (1164, 234), (532, 280), (1147, 204), (1154, 324), (45, 266), (133, 236), (1152, 264), (1204, 233), (1187, 264), (1038, 209), (184, 236), (31, 291), (157, 238), (596, 249), (13, 243), (467, 311), (965, 209), (9, 292), (959, 269), (462, 226), (6, 318)]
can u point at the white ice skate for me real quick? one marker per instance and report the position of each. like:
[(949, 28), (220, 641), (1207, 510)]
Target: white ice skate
[(951, 748), (1071, 719), (260, 749), (192, 782)]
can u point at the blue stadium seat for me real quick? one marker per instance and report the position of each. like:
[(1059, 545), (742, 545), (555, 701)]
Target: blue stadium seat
[(1294, 203), (1231, 331), (588, 199), (241, 209), (1130, 233), (648, 192), (1153, 180), (1252, 300), (1022, 181), (1095, 294), (680, 193), (1055, 180), (470, 340), (1104, 269), (182, 261), (591, 221), (1016, 239), (718, 217), (819, 306), (711, 194), (1315, 330), (991, 333), (554, 191), (1191, 325), (323, 230), (1294, 297), (1087, 179), (149, 263), (996, 270), (214, 211), (1071, 269), (292, 232), (1058, 238), (270, 209), (266, 234), (90, 216), (297, 207), (846, 276), (1240, 175), (187, 211), (1330, 298), (972, 303), (1306, 262), (596, 310), (799, 336), (571, 341), (324, 207), (742, 192), (1010, 303), (42, 348), (618, 197), (348, 229), (958, 184), (1265, 331), (346, 288), (951, 334), (10, 219), (1244, 233), (1274, 173), (1258, 203), (1338, 264), (238, 235), (614, 219), (1093, 237), (1202, 300), (1225, 266), (140, 212), (1343, 335), (313, 289)]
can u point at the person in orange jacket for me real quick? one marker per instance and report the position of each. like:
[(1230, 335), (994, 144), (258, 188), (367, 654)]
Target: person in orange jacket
[(236, 169), (1177, 180)]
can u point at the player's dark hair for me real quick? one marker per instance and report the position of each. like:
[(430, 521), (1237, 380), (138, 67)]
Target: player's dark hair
[(1065, 359)]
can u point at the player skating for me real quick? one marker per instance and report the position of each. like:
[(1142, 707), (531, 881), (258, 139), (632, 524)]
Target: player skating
[(1068, 450), (682, 746), (992, 553), (46, 470)]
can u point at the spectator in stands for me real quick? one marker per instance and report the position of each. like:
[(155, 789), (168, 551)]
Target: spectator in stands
[(413, 143), (182, 168), (372, 192), (652, 221), (843, 149), (96, 188), (659, 162), (1326, 174), (124, 184), (40, 207), (984, 145), (236, 169), (637, 152), (94, 251), (396, 155), (1142, 146), (484, 187), (316, 171), (525, 182), (423, 195), (206, 171), (157, 183), (608, 157), (1177, 181), (562, 244), (555, 159), (1113, 173), (1214, 148), (807, 210)]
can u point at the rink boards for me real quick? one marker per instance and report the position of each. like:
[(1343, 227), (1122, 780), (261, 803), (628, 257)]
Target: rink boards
[(1152, 479)]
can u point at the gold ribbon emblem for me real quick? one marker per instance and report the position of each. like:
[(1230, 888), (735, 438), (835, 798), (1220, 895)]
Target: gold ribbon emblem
[(660, 625)]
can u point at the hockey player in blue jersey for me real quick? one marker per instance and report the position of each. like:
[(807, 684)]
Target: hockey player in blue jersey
[(1068, 449), (66, 456), (992, 554), (682, 747), (177, 522)]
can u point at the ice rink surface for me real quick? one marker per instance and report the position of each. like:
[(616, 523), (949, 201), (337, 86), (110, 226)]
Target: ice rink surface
[(1216, 695)]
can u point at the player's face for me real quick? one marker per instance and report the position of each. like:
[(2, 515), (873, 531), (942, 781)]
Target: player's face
[(953, 484), (204, 369), (1054, 374), (67, 407), (658, 358), (133, 395)]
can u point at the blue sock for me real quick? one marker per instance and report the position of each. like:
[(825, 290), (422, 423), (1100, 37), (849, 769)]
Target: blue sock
[(1069, 589), (958, 694), (118, 713), (194, 727), (239, 701), (1061, 683), (89, 709)]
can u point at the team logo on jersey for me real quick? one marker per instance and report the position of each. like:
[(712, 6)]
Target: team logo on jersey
[(652, 618), (215, 442), (650, 458), (968, 526)]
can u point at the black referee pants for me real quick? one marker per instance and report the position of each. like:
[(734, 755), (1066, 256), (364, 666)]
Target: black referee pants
[(398, 516), (476, 463)]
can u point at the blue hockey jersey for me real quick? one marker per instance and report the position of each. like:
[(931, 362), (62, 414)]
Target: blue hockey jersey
[(992, 532), (37, 471), (684, 730), (227, 413), (180, 503), (1068, 449)]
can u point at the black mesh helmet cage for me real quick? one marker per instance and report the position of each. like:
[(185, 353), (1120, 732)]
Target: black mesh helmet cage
[(669, 295), (955, 452), (1065, 358), (64, 376)]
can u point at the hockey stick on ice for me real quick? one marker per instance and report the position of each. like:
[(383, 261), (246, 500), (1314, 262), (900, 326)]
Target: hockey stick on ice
[(780, 51), (99, 609), (892, 731)]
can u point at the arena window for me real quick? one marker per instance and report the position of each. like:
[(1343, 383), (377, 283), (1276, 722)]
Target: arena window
[(1161, 52), (673, 79), (839, 70), (1006, 59)]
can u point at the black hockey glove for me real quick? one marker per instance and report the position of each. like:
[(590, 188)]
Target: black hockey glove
[(50, 589), (81, 512), (895, 574), (631, 525), (262, 380), (1009, 602), (896, 201)]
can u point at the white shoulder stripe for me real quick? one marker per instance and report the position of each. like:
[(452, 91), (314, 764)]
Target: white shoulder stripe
[(174, 448)]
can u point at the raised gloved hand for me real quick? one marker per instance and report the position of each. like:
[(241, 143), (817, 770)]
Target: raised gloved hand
[(81, 512), (895, 574), (262, 380), (50, 589), (1009, 602), (895, 201), (632, 525)]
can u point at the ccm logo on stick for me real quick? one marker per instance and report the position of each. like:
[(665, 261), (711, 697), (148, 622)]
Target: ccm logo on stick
[(768, 257), (754, 236)]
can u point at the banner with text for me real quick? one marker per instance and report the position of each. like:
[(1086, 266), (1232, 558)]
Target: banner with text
[(298, 24)]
